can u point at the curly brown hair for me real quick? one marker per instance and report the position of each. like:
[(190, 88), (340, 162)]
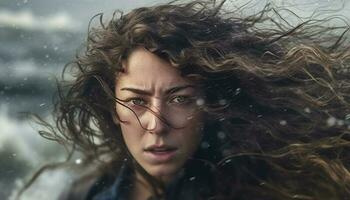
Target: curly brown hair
[(277, 94)]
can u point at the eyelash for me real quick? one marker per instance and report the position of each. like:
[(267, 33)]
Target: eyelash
[(186, 100), (132, 101)]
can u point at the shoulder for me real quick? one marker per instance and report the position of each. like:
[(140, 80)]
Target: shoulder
[(87, 184), (98, 186), (79, 188), (86, 188)]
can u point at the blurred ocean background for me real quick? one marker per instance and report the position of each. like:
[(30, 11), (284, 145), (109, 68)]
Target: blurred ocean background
[(37, 38)]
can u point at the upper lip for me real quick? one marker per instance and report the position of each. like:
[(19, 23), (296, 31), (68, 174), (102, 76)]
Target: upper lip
[(160, 147)]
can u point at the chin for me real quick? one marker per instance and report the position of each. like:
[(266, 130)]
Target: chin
[(164, 172)]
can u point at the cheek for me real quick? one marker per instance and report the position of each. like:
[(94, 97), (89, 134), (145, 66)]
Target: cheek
[(121, 112), (131, 136)]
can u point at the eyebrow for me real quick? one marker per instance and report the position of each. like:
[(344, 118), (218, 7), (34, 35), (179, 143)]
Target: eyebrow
[(148, 93)]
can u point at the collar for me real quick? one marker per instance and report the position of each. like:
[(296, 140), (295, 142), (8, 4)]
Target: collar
[(196, 179), (120, 188)]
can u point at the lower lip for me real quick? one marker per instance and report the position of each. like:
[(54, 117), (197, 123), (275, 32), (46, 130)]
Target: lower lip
[(160, 156)]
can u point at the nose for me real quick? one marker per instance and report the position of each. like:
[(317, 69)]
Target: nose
[(154, 122)]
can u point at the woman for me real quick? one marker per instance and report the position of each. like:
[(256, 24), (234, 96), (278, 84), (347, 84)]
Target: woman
[(189, 101)]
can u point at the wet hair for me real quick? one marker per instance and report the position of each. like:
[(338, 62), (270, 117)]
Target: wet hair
[(276, 93)]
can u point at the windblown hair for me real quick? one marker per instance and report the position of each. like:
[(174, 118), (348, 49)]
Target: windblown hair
[(276, 92)]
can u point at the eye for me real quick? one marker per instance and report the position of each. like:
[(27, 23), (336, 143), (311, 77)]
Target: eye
[(137, 101), (180, 99)]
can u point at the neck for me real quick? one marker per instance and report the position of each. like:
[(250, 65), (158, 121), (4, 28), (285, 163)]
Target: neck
[(142, 188)]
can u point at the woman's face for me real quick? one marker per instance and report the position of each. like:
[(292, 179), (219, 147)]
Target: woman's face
[(162, 122)]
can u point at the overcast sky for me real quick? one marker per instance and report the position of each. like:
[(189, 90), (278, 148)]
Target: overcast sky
[(77, 12)]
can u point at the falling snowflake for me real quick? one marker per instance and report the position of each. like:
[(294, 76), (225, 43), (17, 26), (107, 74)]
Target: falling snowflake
[(347, 117), (307, 110), (221, 135), (283, 122), (222, 102), (200, 102), (331, 121), (238, 90), (78, 161), (205, 145), (340, 122)]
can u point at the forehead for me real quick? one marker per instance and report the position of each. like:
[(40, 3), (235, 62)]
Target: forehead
[(145, 69)]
